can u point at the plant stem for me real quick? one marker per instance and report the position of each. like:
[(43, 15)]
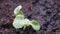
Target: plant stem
[(24, 27)]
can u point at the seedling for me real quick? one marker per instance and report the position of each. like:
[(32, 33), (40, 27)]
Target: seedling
[(20, 21)]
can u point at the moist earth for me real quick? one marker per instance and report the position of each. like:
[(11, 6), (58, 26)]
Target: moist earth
[(46, 12)]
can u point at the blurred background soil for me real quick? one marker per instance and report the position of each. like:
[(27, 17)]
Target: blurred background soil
[(46, 12)]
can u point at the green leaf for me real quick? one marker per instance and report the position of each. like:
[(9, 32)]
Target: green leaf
[(27, 22), (35, 25), (18, 11), (18, 23), (20, 17)]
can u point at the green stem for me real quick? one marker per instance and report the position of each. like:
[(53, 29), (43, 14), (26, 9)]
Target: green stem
[(24, 27)]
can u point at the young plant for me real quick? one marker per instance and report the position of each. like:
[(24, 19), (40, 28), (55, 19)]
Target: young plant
[(20, 21)]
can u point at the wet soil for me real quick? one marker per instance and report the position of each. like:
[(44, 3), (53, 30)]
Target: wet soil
[(46, 12)]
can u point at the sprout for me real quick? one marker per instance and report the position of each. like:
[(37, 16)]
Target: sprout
[(18, 11), (20, 21), (35, 25)]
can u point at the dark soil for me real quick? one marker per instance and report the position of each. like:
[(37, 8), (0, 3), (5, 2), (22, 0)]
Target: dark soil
[(46, 12)]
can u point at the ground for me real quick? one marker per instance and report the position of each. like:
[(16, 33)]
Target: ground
[(46, 12)]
